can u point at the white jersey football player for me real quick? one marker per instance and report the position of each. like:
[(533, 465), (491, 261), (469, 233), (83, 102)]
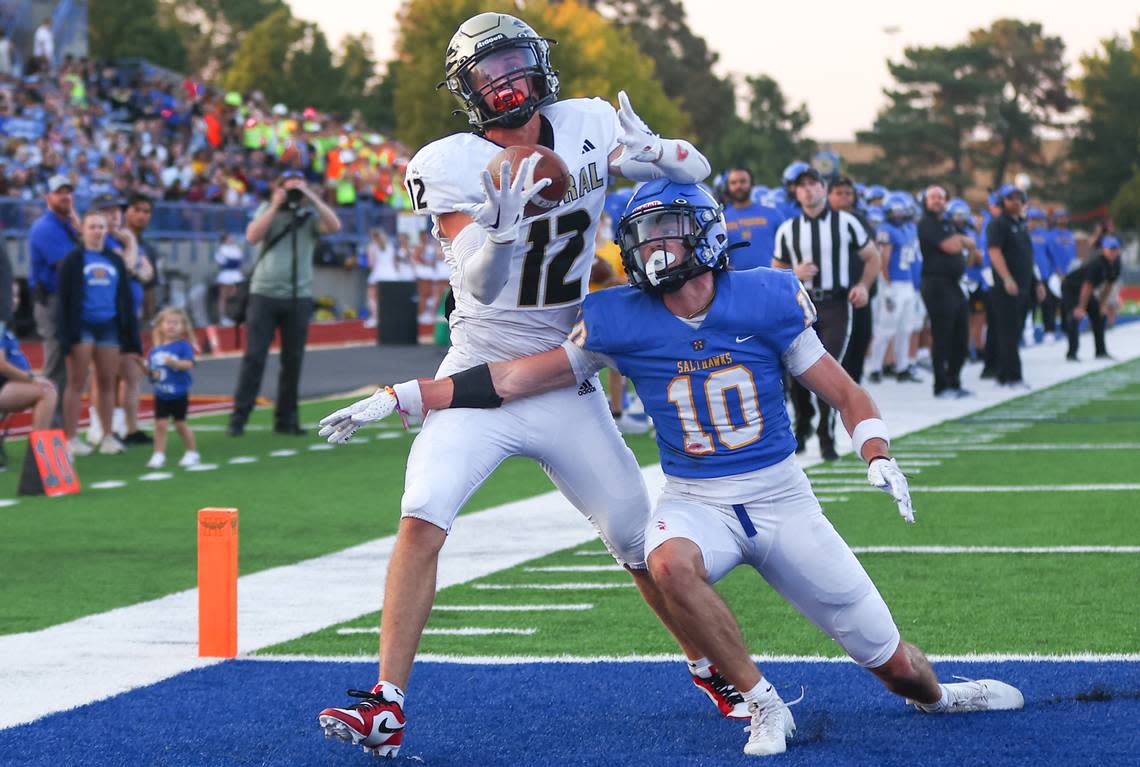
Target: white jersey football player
[(517, 283)]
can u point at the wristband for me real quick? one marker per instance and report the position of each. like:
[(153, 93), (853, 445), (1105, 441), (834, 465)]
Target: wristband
[(870, 428), (409, 400), (474, 388)]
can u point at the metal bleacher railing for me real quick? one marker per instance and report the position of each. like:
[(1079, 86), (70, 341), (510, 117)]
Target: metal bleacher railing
[(186, 236)]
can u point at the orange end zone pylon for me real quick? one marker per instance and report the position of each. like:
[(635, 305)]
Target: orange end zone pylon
[(217, 582)]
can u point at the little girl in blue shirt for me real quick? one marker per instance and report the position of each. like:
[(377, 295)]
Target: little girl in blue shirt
[(169, 364)]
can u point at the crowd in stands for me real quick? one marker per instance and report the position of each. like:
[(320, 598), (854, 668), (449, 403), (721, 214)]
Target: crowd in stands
[(135, 128)]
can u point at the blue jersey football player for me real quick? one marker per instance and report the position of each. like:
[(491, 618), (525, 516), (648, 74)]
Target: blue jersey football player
[(707, 349)]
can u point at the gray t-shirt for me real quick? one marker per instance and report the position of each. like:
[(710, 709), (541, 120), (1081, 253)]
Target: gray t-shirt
[(273, 276)]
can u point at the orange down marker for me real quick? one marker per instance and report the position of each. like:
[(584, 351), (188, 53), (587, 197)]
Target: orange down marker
[(217, 582)]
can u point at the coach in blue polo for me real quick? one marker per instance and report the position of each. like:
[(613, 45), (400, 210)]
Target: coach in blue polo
[(50, 238), (748, 222)]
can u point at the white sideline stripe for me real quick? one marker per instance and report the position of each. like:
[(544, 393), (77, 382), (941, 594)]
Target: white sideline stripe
[(1055, 446), (101, 655), (497, 660), (202, 467), (552, 586), (460, 632), (8, 502), (155, 476), (513, 608), (836, 484), (996, 549), (107, 484), (237, 460), (888, 550), (283, 453), (321, 446), (574, 569)]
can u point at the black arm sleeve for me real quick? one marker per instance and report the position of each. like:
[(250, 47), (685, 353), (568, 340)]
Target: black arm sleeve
[(473, 388)]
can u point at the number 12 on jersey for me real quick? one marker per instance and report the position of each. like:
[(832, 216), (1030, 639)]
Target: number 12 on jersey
[(731, 434)]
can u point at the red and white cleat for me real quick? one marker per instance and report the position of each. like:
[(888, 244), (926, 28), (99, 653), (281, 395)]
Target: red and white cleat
[(721, 692), (376, 723)]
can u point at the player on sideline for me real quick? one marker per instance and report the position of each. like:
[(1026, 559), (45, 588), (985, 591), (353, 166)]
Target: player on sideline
[(707, 349), (517, 284)]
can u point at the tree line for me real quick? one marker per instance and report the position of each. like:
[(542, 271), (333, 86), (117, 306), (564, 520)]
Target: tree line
[(952, 113)]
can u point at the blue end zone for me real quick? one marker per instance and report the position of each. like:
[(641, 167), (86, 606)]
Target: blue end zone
[(264, 713)]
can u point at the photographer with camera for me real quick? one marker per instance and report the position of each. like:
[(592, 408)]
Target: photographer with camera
[(287, 228)]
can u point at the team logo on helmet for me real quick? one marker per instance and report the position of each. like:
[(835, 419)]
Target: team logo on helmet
[(498, 69)]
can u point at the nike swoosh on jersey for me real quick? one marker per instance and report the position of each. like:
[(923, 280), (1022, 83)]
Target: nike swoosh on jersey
[(740, 340)]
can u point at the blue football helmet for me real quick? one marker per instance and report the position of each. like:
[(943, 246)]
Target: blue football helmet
[(876, 216), (958, 211), (671, 233), (898, 206), (1060, 213), (876, 192), (1036, 214), (796, 169)]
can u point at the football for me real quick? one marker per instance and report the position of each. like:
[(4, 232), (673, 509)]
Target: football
[(550, 166)]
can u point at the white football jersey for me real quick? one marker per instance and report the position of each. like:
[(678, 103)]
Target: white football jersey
[(550, 268)]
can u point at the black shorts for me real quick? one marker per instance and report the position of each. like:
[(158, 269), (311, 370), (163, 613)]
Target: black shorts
[(171, 408)]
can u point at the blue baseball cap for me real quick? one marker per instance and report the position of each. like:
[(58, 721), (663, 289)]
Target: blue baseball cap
[(1036, 213), (291, 173), (1110, 242), (1008, 190)]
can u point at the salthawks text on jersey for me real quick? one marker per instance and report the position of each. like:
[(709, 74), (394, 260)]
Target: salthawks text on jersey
[(689, 366)]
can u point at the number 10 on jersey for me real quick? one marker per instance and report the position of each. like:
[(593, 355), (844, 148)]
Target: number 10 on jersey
[(731, 434)]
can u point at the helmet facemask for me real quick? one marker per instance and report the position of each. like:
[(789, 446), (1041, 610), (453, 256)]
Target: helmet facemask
[(663, 247), (504, 87)]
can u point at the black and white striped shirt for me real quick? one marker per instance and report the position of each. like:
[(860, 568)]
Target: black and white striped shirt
[(830, 241)]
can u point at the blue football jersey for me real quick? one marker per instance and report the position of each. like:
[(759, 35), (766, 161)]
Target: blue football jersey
[(1062, 250), (1040, 240), (715, 393), (756, 225), (902, 252)]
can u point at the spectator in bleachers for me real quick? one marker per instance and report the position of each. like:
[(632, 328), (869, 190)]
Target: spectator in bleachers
[(95, 323), (5, 54), (43, 48), (50, 239)]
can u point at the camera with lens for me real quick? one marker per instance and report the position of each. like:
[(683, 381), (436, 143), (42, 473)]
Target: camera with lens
[(293, 198)]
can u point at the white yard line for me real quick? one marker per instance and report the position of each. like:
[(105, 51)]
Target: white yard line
[(102, 655), (579, 607), (553, 586), (1045, 446), (837, 484), (467, 631), (884, 550), (996, 549), (496, 660)]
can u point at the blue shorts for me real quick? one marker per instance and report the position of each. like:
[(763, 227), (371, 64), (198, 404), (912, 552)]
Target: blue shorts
[(100, 333)]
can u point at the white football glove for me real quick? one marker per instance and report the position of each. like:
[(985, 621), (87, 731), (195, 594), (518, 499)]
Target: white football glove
[(638, 142), (502, 211), (886, 475), (342, 424)]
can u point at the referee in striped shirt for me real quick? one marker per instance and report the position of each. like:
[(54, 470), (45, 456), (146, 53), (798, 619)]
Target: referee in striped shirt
[(817, 245)]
